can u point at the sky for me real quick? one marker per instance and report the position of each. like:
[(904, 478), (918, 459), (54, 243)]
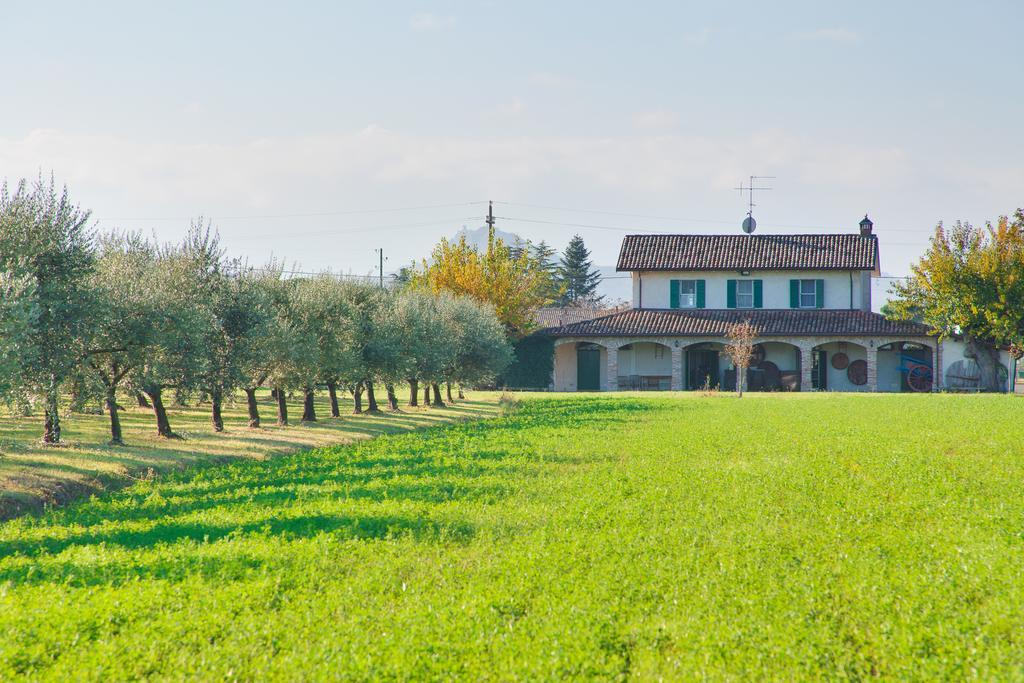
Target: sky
[(318, 132)]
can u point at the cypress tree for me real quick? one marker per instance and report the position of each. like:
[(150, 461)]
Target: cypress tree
[(579, 278)]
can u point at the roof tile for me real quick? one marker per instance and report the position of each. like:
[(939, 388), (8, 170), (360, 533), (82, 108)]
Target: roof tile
[(651, 322), (840, 251)]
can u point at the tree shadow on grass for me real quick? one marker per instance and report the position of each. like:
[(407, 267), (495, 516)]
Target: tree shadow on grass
[(282, 528)]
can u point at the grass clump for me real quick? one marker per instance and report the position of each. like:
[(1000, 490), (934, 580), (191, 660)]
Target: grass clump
[(782, 536)]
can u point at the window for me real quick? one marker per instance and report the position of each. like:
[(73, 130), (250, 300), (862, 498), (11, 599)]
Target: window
[(745, 293), (808, 294), (687, 294), (659, 352)]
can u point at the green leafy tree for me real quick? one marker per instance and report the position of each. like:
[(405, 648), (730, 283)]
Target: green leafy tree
[(577, 275), (124, 321), (970, 282), (47, 254), (181, 326), (18, 313), (480, 348)]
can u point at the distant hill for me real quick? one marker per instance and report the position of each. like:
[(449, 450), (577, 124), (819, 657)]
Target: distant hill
[(614, 288)]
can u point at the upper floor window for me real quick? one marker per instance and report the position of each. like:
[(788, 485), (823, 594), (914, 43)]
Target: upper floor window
[(687, 294), (744, 294), (808, 294)]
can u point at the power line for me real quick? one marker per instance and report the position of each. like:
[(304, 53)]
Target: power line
[(306, 215), (366, 228), (677, 219)]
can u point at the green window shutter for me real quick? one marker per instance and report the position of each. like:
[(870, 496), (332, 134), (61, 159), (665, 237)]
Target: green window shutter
[(819, 293), (758, 294), (673, 293), (794, 294), (700, 294), (730, 294)]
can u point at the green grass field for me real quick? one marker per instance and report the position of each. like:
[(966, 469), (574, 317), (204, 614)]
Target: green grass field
[(678, 537), (33, 476)]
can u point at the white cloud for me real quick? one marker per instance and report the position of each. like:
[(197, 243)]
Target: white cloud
[(831, 35), (654, 120), (699, 37), (513, 107), (431, 22), (546, 79), (192, 109)]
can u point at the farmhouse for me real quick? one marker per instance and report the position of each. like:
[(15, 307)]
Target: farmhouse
[(809, 296)]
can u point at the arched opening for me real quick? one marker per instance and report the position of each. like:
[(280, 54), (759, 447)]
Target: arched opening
[(704, 365), (645, 366), (905, 367), (575, 361), (839, 366), (774, 367)]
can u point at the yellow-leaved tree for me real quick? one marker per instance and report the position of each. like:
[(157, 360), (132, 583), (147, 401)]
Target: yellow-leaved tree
[(513, 284)]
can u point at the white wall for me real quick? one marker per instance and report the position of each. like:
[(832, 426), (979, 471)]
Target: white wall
[(655, 286), (785, 356), (839, 380), (641, 360), (953, 351)]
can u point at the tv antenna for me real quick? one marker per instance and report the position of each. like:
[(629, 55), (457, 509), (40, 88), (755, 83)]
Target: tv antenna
[(749, 224)]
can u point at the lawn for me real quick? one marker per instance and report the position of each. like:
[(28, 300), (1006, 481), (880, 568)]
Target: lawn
[(678, 537), (33, 476)]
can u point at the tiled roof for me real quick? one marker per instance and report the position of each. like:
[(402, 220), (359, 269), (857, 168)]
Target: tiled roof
[(841, 251), (655, 322), (556, 317)]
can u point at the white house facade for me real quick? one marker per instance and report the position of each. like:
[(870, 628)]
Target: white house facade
[(808, 295)]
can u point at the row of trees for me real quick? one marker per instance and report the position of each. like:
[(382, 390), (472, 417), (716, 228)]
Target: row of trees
[(119, 315)]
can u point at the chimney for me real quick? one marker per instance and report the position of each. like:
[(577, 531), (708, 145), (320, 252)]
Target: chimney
[(866, 227)]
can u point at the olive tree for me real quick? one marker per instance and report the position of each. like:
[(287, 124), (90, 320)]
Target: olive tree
[(47, 254), (125, 319), (480, 347)]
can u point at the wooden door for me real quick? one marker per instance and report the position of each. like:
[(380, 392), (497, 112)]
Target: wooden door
[(588, 368)]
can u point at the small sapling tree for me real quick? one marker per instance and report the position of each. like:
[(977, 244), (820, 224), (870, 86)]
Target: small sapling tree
[(740, 350)]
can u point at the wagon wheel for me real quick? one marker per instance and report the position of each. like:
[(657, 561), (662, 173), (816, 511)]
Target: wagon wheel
[(772, 376), (840, 361), (758, 355), (857, 373), (920, 378)]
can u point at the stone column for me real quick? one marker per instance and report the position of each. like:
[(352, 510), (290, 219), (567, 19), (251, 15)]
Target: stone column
[(806, 363), (872, 359), (936, 366), (612, 383), (677, 369)]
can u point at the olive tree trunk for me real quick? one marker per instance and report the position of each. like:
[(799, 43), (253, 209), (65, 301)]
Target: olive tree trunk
[(357, 398), (426, 393), (282, 407), (414, 393), (308, 407), (392, 399), (156, 399), (437, 394), (254, 408), (116, 438), (371, 400), (332, 391), (448, 390), (51, 425), (216, 399)]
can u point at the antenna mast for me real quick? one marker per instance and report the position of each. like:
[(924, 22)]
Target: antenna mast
[(749, 224)]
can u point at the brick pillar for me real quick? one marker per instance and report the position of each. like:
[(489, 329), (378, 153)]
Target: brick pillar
[(612, 383), (936, 366), (806, 362), (872, 359), (677, 369)]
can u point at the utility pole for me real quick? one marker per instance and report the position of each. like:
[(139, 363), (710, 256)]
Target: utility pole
[(381, 253), (490, 227)]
